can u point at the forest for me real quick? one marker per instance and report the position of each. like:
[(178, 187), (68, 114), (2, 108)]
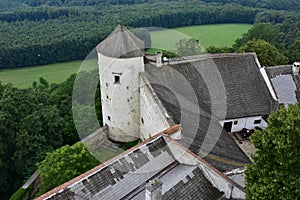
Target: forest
[(38, 120), (38, 32), (33, 122)]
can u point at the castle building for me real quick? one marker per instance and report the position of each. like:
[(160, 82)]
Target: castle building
[(182, 110), (142, 95)]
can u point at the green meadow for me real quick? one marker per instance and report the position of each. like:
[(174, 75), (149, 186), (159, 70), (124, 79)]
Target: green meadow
[(218, 35), (53, 73)]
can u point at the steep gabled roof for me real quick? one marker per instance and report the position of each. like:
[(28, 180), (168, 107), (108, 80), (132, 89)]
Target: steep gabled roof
[(188, 89), (121, 43), (246, 92)]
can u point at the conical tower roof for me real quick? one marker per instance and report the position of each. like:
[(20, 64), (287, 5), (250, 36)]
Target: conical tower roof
[(121, 43)]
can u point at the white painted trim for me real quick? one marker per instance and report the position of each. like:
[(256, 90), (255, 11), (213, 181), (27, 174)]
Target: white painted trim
[(268, 82)]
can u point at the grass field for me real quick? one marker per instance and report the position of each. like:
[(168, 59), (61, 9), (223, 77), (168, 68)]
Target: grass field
[(218, 35), (53, 73)]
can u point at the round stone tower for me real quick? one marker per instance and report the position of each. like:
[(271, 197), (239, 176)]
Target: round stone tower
[(121, 60)]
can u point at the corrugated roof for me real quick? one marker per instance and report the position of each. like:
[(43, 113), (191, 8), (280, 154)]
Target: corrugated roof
[(121, 43)]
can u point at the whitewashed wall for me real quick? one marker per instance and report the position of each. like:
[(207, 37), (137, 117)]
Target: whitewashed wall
[(120, 101), (245, 123), (153, 115)]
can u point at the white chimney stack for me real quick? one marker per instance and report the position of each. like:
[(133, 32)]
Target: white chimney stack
[(296, 67), (158, 59), (154, 190)]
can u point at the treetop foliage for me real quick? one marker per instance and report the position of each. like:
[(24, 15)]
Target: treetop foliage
[(267, 53), (293, 5), (64, 164), (274, 173), (34, 121)]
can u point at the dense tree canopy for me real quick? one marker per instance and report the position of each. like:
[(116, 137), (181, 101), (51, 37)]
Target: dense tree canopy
[(267, 54), (263, 31), (274, 173), (29, 127), (44, 35), (293, 51), (269, 4), (64, 164), (40, 32), (33, 121)]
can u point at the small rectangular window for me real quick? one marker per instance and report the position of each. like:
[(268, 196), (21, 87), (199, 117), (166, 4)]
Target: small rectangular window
[(108, 117), (258, 121), (117, 79), (142, 120), (235, 122)]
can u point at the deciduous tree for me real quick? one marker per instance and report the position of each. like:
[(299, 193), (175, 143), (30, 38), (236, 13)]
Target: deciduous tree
[(274, 173), (64, 164), (267, 54)]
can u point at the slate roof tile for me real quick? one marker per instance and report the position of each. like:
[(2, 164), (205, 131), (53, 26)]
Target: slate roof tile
[(280, 76), (246, 95), (121, 43)]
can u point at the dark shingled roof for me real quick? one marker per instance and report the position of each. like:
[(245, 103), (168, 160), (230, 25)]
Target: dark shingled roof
[(279, 70), (121, 43), (189, 91), (203, 133), (198, 184), (246, 91)]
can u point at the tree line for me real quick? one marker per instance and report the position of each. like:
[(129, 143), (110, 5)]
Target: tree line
[(33, 122), (292, 5), (45, 35), (71, 36)]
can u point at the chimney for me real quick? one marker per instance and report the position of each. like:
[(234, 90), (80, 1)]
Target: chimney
[(296, 67), (154, 190), (158, 59)]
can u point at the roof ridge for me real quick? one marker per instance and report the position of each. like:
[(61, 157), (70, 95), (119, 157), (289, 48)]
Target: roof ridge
[(195, 58)]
